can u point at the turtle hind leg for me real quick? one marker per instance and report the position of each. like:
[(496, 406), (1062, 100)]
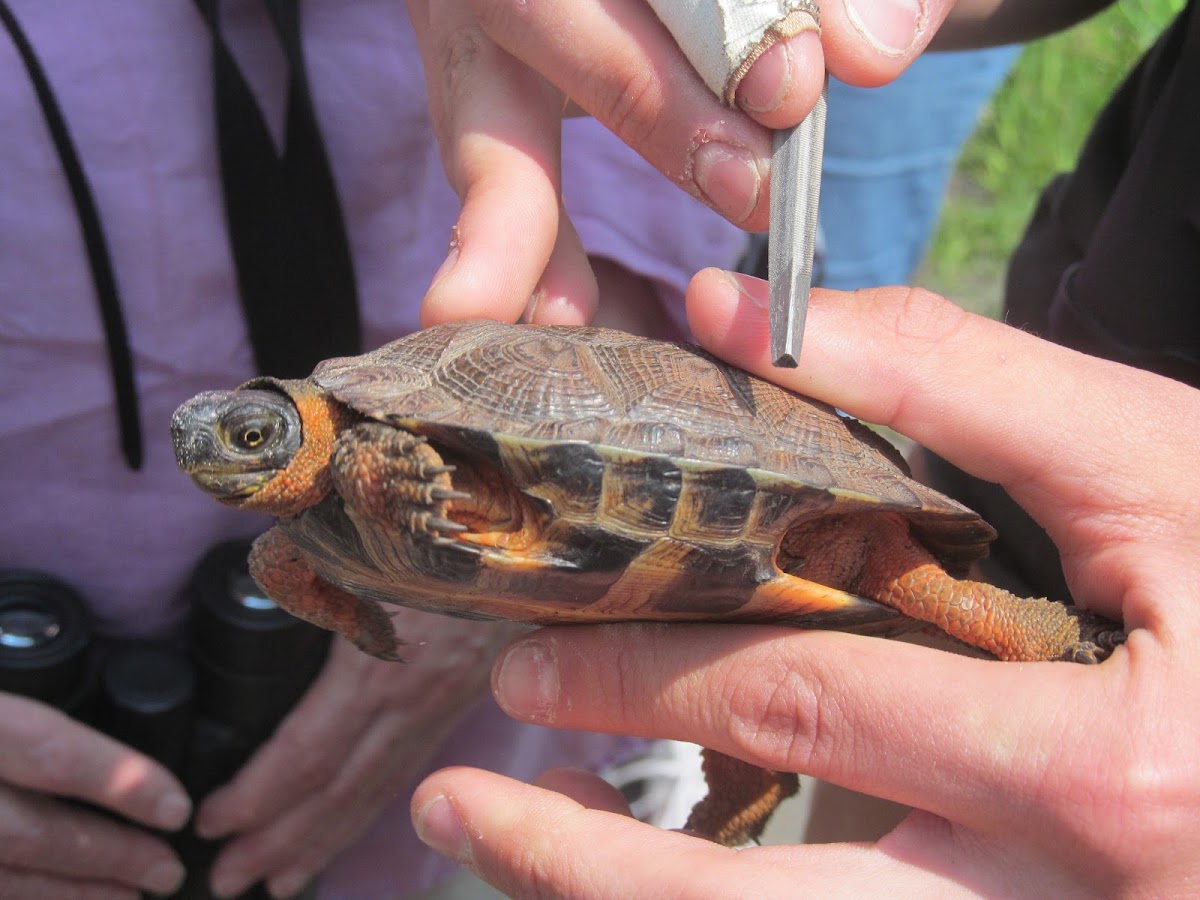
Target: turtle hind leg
[(741, 798), (877, 556), (1024, 629), (281, 570)]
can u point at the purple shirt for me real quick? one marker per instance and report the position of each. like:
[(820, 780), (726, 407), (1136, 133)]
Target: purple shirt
[(134, 84)]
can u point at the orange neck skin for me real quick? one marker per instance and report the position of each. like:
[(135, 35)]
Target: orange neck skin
[(306, 480)]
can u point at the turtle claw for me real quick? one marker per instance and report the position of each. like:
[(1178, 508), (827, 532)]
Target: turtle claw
[(444, 494), (385, 655), (395, 478), (440, 524), (1097, 648)]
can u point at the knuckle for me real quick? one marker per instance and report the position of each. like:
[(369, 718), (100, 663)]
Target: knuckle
[(17, 884), (51, 759), (784, 719), (923, 321), (628, 704), (462, 49), (504, 20), (632, 107), (916, 327), (538, 868), (1142, 801), (312, 770), (27, 842)]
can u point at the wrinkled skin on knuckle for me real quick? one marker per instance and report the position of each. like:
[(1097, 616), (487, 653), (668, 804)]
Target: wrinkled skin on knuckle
[(626, 665), (1145, 796), (312, 771), (26, 840), (50, 759), (501, 19), (536, 868), (632, 108), (780, 719), (924, 321), (463, 49), (920, 325), (1120, 799), (22, 885)]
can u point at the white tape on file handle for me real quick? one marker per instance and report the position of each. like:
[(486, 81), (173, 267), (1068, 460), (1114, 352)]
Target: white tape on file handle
[(723, 38)]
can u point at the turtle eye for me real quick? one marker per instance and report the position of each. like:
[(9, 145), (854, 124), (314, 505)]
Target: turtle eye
[(250, 432), (253, 436)]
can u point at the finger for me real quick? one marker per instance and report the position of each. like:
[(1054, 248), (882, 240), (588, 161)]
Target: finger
[(58, 841), (644, 90), (814, 702), (503, 838), (16, 884), (355, 702), (287, 850), (870, 42), (567, 293), (498, 125), (47, 752), (527, 841), (304, 755), (782, 85), (360, 734), (585, 789), (991, 399)]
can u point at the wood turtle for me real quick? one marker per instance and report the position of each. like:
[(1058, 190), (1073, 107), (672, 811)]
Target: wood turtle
[(556, 475)]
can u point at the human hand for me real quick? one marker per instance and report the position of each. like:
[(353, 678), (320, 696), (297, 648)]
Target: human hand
[(1043, 779), (50, 848), (362, 733), (500, 75)]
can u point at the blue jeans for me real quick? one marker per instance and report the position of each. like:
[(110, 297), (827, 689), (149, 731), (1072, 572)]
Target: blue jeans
[(889, 152)]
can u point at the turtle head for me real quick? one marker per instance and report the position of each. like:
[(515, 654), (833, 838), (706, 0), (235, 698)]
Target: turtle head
[(234, 443)]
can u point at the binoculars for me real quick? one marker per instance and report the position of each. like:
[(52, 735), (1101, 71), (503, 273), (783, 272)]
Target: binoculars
[(200, 705)]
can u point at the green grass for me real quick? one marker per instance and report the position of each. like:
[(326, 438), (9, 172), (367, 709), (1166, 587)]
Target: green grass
[(1032, 130)]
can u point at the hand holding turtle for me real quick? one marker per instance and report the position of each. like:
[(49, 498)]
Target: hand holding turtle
[(364, 731), (500, 76), (50, 848), (1027, 779)]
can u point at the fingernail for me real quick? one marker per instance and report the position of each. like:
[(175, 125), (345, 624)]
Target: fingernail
[(451, 257), (164, 877), (766, 84), (173, 811), (208, 827), (728, 178), (228, 882), (439, 826), (288, 885), (531, 307), (761, 302), (527, 682), (890, 26)]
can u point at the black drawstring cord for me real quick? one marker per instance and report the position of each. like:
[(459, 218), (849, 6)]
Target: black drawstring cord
[(117, 337), (287, 234), (295, 272)]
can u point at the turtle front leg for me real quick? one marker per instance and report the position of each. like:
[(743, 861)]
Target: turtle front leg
[(281, 570), (395, 478)]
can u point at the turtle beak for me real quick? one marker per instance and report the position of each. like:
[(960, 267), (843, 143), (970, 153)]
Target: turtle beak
[(232, 443)]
